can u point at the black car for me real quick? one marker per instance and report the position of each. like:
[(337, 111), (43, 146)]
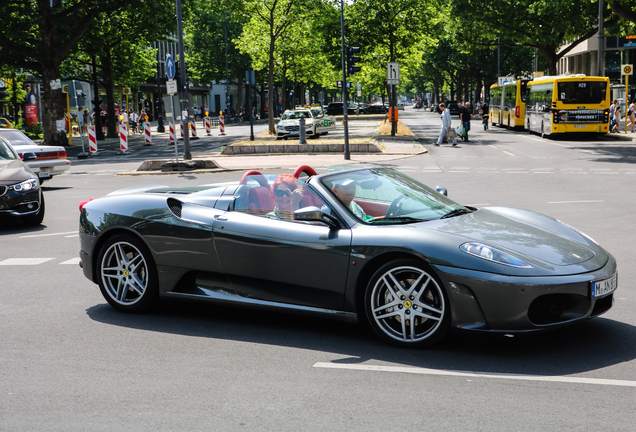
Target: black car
[(376, 109), (452, 106), (20, 193), (335, 108)]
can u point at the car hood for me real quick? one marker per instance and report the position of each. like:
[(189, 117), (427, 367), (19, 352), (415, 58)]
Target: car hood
[(14, 172), (525, 233)]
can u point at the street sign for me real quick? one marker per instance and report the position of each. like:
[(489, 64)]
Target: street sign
[(339, 84), (627, 69), (171, 87), (171, 69), (393, 73), (65, 88), (126, 91)]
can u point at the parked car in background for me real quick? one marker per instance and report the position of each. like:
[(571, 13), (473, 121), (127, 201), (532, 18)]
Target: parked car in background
[(316, 123), (20, 193), (50, 160), (375, 109), (400, 106), (335, 108), (5, 123)]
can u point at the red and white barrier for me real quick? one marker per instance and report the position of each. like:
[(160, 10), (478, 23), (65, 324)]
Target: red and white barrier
[(123, 139), (208, 126), (172, 134), (92, 139), (147, 134), (193, 129), (222, 125), (181, 129)]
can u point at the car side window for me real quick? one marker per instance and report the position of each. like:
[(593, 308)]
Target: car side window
[(276, 201), (5, 152)]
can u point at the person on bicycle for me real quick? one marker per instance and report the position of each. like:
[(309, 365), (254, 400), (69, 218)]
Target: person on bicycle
[(485, 114)]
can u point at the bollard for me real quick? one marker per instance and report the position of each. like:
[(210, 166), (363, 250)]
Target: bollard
[(222, 125), (208, 126), (123, 140), (147, 134), (302, 130), (92, 140), (172, 134), (193, 130)]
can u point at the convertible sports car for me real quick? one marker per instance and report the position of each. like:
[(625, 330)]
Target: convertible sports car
[(363, 244)]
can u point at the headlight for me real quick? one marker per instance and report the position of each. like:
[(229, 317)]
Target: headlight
[(490, 253), (281, 127), (25, 186)]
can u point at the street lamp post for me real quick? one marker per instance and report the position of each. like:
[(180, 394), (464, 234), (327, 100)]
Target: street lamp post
[(601, 41), (227, 79), (345, 104), (99, 134), (184, 93), (159, 104)]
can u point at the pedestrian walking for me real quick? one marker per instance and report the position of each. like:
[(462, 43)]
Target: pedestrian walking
[(464, 115), (446, 125), (631, 112), (617, 119)]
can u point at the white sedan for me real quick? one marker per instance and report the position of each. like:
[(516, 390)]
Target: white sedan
[(317, 123), (50, 160)]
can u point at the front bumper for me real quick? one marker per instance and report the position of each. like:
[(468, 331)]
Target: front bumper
[(495, 303), (15, 204)]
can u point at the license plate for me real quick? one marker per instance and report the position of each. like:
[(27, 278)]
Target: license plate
[(606, 286), (580, 126), (44, 172)]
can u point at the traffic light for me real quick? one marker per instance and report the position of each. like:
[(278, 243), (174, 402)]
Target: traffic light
[(177, 74), (352, 59)]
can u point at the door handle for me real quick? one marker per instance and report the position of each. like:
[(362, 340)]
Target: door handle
[(220, 218)]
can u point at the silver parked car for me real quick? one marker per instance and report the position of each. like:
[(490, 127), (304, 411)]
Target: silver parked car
[(50, 160)]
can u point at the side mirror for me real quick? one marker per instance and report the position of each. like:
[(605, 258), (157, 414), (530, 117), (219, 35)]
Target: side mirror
[(314, 214), (441, 190), (28, 156)]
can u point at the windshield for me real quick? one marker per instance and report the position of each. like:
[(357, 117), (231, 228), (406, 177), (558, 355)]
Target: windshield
[(386, 196), (295, 115), (16, 137), (5, 152), (582, 92)]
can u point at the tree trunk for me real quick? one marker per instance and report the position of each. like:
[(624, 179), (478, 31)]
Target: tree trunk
[(54, 105), (109, 85), (270, 81)]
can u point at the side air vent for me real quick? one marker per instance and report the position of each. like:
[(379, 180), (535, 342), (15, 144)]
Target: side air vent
[(174, 206)]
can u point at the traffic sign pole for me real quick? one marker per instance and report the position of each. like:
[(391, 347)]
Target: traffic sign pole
[(345, 104), (626, 70)]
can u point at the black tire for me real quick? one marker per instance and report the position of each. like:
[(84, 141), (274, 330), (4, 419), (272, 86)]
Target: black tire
[(127, 274), (413, 313), (37, 218)]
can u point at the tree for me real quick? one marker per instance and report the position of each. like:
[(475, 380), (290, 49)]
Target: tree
[(37, 38), (273, 18)]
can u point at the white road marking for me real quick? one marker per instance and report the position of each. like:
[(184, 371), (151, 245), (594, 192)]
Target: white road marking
[(74, 261), (24, 261), (508, 153), (576, 202), (471, 374), (71, 236), (490, 145), (47, 235)]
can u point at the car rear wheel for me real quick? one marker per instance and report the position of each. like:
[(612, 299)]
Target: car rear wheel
[(407, 305), (127, 274)]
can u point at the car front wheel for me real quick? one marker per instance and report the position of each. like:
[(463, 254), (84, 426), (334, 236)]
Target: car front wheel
[(127, 274), (407, 305)]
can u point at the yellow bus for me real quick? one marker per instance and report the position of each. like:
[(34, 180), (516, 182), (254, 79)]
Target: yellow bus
[(513, 105), (567, 104), (507, 103), (495, 104)]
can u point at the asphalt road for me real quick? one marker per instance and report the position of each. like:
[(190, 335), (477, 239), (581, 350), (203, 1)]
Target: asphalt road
[(69, 362)]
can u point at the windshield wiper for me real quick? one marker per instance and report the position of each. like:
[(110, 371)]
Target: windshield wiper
[(401, 218), (456, 212)]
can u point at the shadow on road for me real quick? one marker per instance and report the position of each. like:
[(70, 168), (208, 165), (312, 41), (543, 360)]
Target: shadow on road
[(591, 345)]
